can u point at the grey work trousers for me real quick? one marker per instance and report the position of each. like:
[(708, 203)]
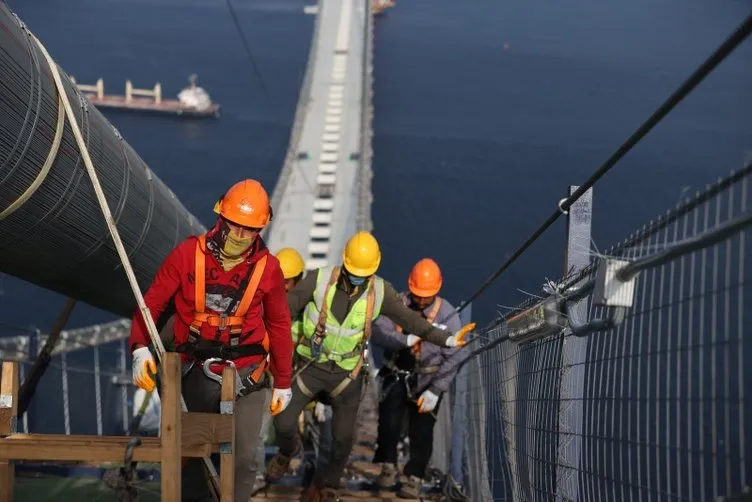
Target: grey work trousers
[(202, 394), (266, 422), (320, 380)]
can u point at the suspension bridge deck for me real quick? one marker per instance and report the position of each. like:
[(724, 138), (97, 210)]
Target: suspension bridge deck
[(319, 199)]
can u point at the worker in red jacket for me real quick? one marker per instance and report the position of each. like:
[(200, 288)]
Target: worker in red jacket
[(231, 308)]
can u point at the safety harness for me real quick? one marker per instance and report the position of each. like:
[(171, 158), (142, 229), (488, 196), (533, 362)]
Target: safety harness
[(419, 369), (202, 349), (316, 343)]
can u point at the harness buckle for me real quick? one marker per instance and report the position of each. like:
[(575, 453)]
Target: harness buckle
[(316, 347), (223, 321)]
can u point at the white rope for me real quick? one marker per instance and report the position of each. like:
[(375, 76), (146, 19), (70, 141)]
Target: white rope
[(109, 219), (146, 314)]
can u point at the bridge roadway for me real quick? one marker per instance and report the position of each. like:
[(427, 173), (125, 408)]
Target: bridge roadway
[(323, 193)]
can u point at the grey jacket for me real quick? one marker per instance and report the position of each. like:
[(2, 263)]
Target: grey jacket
[(385, 334)]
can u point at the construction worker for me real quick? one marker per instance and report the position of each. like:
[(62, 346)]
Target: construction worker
[(293, 268), (315, 420), (229, 296), (414, 376), (339, 305)]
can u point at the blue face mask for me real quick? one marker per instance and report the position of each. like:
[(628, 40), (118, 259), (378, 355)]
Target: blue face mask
[(355, 281)]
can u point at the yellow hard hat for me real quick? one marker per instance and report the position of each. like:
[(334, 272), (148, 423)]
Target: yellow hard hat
[(291, 262), (362, 255)]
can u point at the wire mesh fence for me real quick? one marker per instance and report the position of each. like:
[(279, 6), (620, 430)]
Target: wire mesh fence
[(653, 409)]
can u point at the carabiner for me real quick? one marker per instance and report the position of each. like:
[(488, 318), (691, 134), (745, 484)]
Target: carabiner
[(209, 373), (239, 386)]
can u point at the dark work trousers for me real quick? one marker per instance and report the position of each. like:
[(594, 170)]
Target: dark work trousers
[(392, 410), (202, 394), (320, 380), (320, 436)]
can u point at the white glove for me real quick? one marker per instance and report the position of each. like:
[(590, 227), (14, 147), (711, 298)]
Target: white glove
[(453, 342), (143, 362), (427, 402), (440, 326), (412, 340), (280, 399), (458, 340), (319, 412)]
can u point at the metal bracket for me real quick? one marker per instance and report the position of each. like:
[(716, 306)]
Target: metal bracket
[(226, 407), (608, 291), (6, 401), (543, 319)]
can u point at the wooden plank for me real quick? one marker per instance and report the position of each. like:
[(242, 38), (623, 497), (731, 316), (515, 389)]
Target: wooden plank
[(206, 428), (171, 427), (8, 408), (293, 493), (86, 448), (227, 448)]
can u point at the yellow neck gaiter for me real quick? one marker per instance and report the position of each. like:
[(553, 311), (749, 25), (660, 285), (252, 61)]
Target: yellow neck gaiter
[(232, 251)]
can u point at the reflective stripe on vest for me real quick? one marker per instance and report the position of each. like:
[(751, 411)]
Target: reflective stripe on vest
[(223, 321), (342, 343)]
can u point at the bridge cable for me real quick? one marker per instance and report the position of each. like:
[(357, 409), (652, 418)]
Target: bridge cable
[(247, 47), (731, 43)]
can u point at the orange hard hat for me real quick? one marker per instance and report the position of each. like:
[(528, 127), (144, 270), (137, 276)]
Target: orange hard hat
[(425, 278), (245, 203)]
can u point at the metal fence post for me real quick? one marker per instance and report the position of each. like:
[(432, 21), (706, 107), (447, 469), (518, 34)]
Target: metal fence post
[(459, 413), (573, 354), (124, 389), (98, 389), (66, 396)]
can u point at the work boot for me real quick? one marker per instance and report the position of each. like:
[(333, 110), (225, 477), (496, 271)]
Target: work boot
[(410, 488), (277, 467), (388, 476), (329, 494), (312, 494)]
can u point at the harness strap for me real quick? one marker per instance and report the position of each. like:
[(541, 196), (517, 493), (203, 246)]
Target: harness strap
[(304, 388), (370, 303), (419, 370), (320, 330), (431, 314), (199, 275), (346, 355), (430, 318), (235, 321), (232, 322)]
